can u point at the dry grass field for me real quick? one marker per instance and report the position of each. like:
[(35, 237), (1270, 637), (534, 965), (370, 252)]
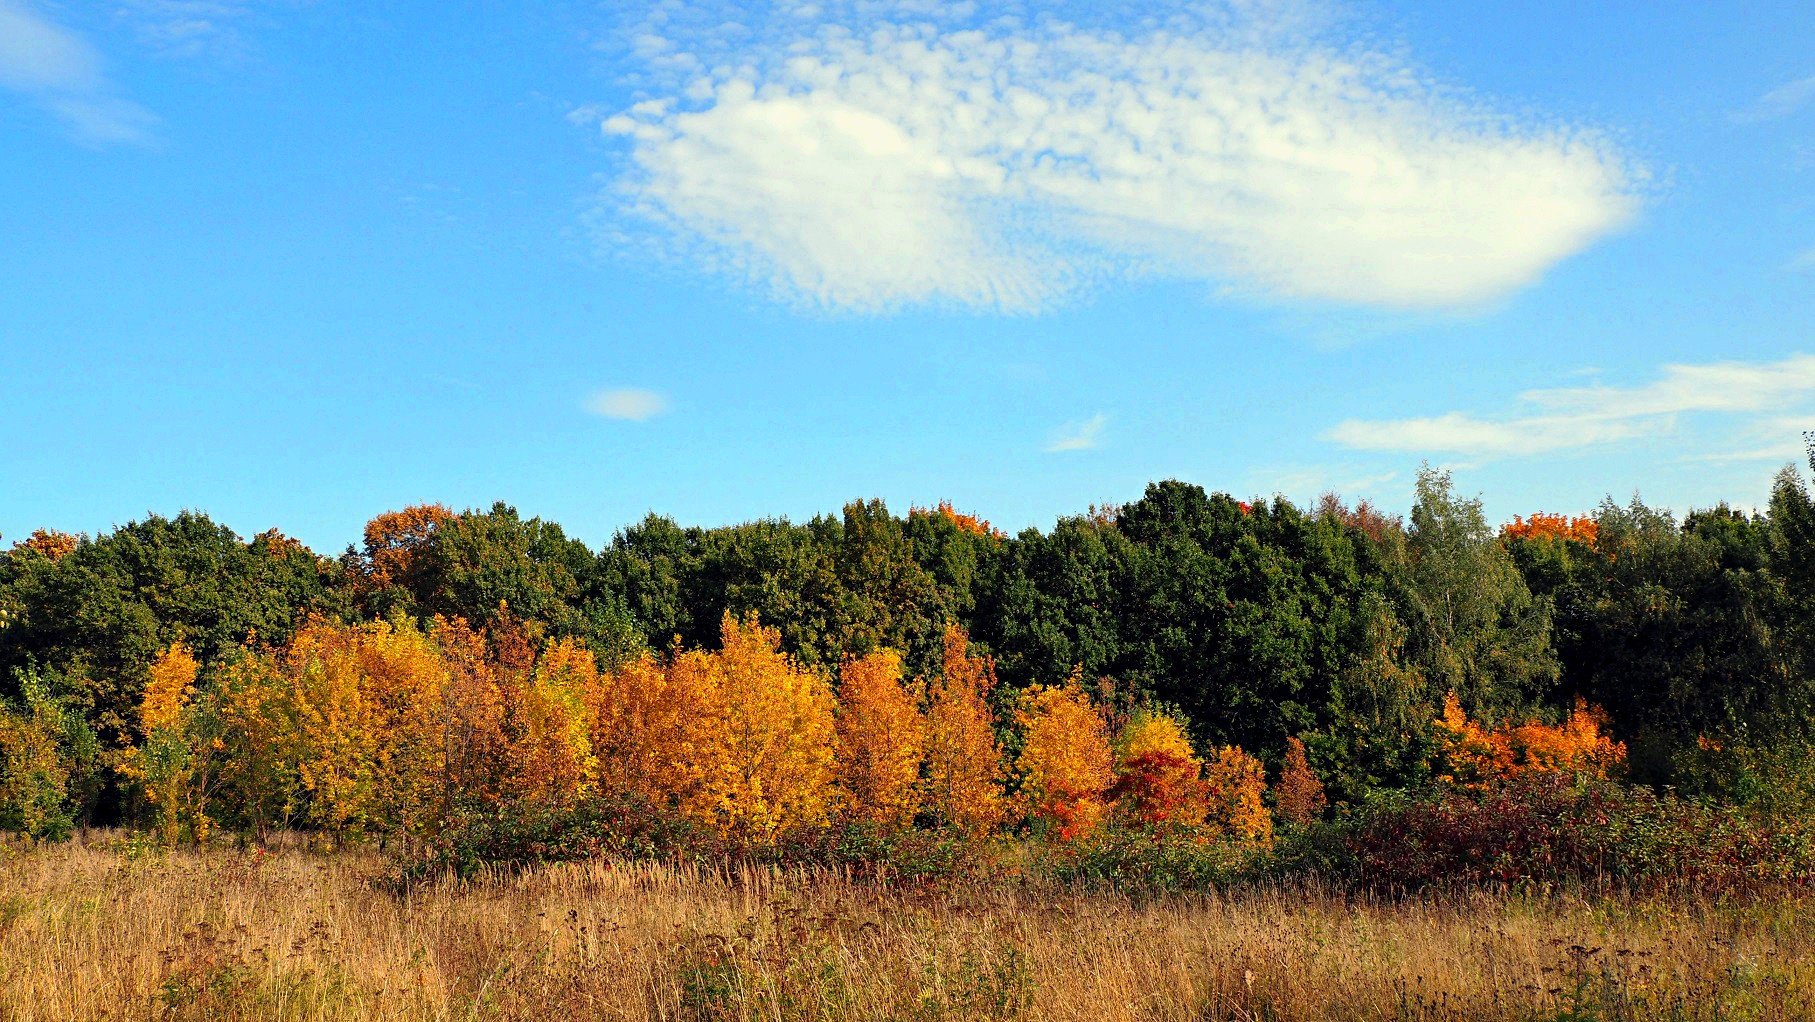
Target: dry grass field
[(98, 929)]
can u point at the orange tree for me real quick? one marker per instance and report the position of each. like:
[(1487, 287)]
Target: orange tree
[(1298, 795), (963, 762), (881, 741)]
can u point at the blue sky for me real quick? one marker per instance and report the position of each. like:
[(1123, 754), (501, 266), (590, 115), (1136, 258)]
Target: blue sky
[(295, 262)]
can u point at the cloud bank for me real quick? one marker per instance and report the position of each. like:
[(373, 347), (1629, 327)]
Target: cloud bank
[(1765, 405), (868, 156)]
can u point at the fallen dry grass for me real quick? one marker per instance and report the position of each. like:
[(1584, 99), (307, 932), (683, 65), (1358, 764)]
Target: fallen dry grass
[(91, 930)]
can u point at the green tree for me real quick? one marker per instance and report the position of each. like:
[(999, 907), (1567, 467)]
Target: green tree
[(96, 617), (1491, 635)]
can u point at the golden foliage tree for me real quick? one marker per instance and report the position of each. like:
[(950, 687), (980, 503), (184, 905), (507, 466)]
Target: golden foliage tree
[(1238, 787), (644, 719), (172, 762), (1540, 525), (49, 543), (963, 762), (778, 724), (1066, 764), (337, 728), (551, 758), (881, 741), (376, 738)]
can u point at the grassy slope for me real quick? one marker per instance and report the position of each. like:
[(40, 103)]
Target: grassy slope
[(88, 930)]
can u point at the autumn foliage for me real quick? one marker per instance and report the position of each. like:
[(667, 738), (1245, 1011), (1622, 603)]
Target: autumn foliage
[(48, 543), (394, 542), (965, 523), (881, 741), (400, 729), (1066, 764), (963, 762), (1299, 795), (1477, 756), (1541, 525), (1159, 780), (766, 738), (1238, 786)]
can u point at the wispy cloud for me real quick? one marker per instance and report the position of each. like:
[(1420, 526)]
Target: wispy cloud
[(192, 28), (1760, 401), (1780, 102), (62, 73), (864, 156), (627, 403), (1308, 482), (1079, 436)]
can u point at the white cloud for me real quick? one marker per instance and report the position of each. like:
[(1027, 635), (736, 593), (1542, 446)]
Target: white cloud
[(1779, 102), (1079, 436), (864, 160), (627, 403), (62, 73), (1760, 400)]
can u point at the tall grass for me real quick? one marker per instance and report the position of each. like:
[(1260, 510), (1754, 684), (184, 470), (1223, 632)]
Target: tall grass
[(102, 928)]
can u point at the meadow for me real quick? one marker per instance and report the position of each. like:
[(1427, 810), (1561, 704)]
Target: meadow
[(111, 926)]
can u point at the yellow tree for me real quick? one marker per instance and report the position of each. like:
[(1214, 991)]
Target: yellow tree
[(963, 762), (1066, 764), (173, 761), (774, 774), (881, 741), (338, 730), (1159, 779), (404, 682), (1238, 786), (551, 750)]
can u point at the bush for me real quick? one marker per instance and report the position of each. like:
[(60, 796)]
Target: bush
[(520, 835), (512, 837), (1551, 831), (47, 753), (894, 855), (1149, 860)]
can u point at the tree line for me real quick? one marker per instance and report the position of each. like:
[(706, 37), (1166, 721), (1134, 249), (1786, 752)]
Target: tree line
[(1246, 661)]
